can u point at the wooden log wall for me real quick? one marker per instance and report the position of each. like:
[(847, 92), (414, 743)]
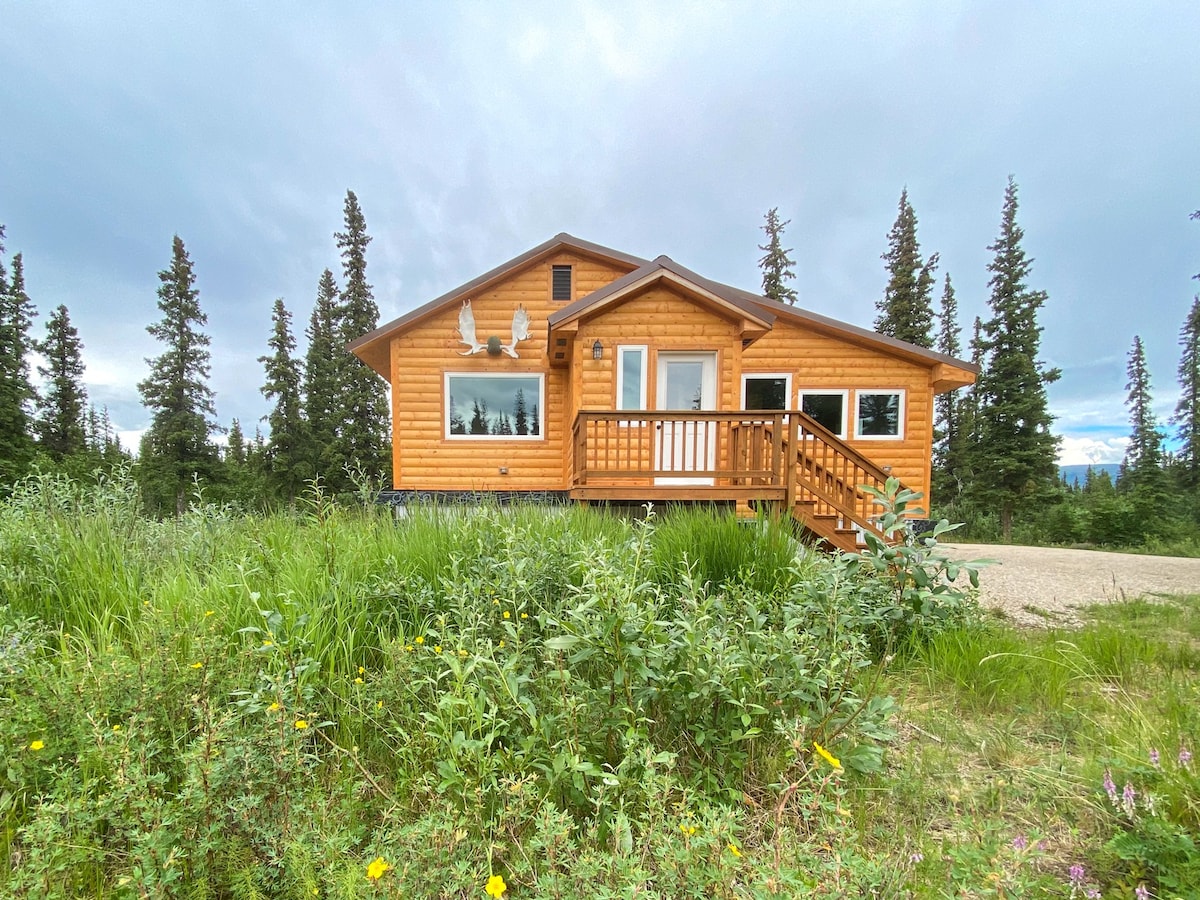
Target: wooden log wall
[(422, 456)]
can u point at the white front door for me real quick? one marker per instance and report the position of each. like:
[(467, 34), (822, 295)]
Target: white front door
[(686, 381)]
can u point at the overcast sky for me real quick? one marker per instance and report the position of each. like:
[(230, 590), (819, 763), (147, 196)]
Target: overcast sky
[(473, 131)]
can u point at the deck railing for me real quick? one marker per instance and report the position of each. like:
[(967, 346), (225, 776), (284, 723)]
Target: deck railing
[(783, 456)]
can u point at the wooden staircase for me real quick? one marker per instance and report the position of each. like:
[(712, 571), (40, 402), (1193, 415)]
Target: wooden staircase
[(779, 460), (825, 485)]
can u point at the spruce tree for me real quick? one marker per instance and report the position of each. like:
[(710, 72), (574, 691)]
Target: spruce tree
[(1144, 451), (322, 387), (61, 406), (906, 310), (1015, 456), (363, 442), (176, 449), (1187, 411), (287, 454), (776, 264), (1142, 477), (947, 435), (17, 448)]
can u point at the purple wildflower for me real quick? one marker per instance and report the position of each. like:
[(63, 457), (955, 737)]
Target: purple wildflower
[(1110, 788), (1154, 757), (1077, 875), (1020, 842), (916, 857), (1185, 756), (1093, 894), (1128, 798), (1141, 893)]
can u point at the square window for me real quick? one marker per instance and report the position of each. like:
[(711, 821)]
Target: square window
[(766, 391), (826, 408), (879, 415), (494, 407), (560, 282)]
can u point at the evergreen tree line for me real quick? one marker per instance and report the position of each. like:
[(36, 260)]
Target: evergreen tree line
[(328, 418), (56, 426), (994, 454)]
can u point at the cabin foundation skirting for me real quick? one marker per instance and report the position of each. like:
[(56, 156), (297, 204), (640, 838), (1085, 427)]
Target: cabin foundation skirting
[(401, 500)]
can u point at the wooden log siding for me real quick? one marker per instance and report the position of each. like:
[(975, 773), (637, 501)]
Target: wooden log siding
[(821, 362), (422, 456)]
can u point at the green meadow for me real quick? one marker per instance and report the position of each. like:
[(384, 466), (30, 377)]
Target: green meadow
[(521, 702)]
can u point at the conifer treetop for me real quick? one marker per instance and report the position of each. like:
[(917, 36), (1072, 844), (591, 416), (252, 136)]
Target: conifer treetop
[(777, 263)]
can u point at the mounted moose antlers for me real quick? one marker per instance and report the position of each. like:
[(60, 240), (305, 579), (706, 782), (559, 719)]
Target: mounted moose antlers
[(466, 333)]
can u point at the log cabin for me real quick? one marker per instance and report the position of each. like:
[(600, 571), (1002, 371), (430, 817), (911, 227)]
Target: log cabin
[(579, 372)]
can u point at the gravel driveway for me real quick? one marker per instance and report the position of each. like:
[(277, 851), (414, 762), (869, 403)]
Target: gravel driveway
[(1057, 582)]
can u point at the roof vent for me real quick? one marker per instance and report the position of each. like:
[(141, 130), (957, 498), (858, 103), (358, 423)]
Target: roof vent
[(560, 282)]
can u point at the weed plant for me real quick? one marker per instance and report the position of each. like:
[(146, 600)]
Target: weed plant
[(329, 702)]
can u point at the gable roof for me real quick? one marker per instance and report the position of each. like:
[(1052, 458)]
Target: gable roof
[(372, 348), (760, 312), (664, 268)]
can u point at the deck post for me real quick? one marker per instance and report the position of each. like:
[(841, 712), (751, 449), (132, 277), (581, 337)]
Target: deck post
[(790, 463)]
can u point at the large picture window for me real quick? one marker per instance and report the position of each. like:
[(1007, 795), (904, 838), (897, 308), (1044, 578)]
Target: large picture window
[(494, 406), (766, 391), (827, 408), (879, 415)]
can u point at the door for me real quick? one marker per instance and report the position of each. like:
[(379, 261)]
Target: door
[(686, 381)]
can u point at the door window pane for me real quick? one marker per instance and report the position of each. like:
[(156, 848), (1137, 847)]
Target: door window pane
[(685, 384)]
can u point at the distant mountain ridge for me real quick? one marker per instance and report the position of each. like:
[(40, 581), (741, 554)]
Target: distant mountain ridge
[(1078, 474)]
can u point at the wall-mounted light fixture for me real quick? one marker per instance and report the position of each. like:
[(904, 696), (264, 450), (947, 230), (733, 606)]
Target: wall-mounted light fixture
[(597, 349)]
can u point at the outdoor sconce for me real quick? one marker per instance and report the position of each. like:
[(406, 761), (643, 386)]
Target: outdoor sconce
[(597, 349)]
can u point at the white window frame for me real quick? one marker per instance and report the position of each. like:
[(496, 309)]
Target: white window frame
[(901, 411), (541, 405), (622, 349), (787, 380), (844, 393)]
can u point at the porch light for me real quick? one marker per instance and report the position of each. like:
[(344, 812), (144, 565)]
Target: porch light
[(597, 349)]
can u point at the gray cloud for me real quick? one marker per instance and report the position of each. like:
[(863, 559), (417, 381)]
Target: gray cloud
[(472, 132)]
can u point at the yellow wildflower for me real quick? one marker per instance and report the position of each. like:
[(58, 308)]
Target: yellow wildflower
[(36, 745), (827, 756), (687, 829), (495, 603), (524, 615), (462, 653), (116, 728), (196, 665), (301, 724), (376, 869), (408, 648), (507, 614), (437, 648), (207, 613), (362, 671), (274, 707), (379, 704), (495, 886), (733, 848), (502, 643), (419, 639), (268, 643), (358, 680)]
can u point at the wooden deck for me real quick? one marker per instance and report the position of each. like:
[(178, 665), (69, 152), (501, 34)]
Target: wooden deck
[(781, 460)]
